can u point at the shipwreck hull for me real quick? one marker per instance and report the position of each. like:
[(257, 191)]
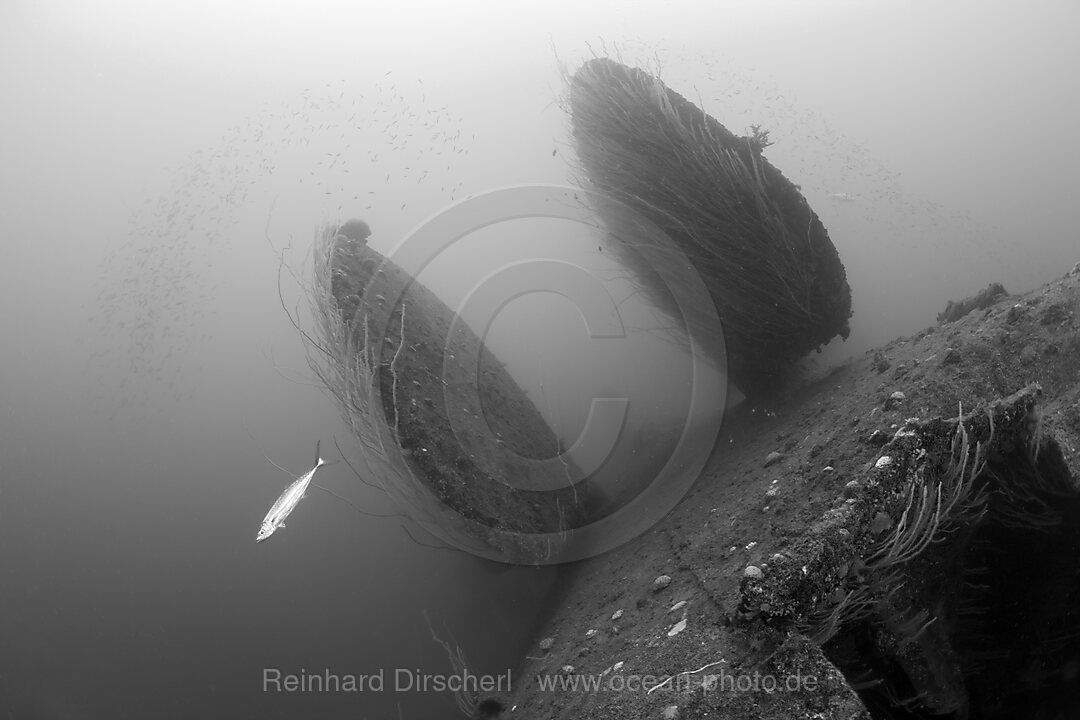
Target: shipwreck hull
[(460, 443), (767, 260)]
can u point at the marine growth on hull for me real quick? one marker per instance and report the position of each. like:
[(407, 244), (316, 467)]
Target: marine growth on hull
[(437, 415), (767, 260)]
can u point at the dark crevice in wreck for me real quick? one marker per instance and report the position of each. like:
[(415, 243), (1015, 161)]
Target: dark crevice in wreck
[(1007, 606), (1018, 601)]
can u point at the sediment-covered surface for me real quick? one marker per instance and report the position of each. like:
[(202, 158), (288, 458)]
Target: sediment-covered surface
[(942, 582)]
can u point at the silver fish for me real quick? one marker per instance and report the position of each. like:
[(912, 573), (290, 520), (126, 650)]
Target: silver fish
[(288, 500)]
